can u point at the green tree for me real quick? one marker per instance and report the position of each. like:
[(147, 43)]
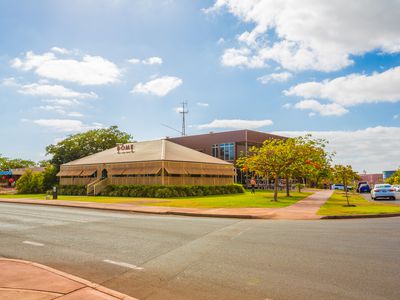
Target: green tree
[(7, 163), (395, 178), (49, 177), (274, 157), (346, 176), (30, 183), (83, 144), (290, 158), (314, 162)]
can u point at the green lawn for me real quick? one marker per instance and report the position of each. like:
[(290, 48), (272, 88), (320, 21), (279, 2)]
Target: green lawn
[(334, 206), (259, 199)]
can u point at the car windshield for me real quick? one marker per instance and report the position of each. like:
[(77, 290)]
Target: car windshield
[(384, 186)]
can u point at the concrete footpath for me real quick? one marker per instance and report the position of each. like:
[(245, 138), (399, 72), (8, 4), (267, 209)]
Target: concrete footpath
[(305, 209), (31, 281)]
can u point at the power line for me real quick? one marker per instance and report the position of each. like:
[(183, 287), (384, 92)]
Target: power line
[(171, 128)]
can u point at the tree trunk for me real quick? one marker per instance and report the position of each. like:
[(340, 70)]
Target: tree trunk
[(276, 187), (347, 195), (287, 186)]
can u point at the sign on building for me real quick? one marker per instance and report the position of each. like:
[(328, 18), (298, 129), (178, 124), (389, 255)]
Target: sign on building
[(125, 148)]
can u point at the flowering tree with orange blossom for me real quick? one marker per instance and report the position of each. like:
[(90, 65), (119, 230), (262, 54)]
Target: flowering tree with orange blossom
[(285, 158)]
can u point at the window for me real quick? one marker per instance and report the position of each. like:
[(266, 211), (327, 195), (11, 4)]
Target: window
[(214, 150), (227, 151), (224, 151)]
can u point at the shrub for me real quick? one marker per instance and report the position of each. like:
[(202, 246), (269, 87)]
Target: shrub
[(163, 193), (73, 190), (169, 191), (30, 183), (49, 177)]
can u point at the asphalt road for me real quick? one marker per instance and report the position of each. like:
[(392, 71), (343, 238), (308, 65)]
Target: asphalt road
[(168, 257)]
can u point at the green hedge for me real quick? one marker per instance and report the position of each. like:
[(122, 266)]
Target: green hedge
[(77, 190), (170, 191)]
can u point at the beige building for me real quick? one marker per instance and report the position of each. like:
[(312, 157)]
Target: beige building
[(154, 162)]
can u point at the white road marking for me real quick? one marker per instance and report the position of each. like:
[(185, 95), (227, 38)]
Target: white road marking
[(33, 243), (122, 264)]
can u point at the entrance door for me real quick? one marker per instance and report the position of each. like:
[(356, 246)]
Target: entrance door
[(104, 174)]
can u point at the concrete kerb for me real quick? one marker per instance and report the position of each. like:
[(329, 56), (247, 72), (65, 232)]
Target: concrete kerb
[(168, 211), (85, 282), (130, 210), (360, 216)]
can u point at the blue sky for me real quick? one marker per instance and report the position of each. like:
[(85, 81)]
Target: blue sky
[(276, 66)]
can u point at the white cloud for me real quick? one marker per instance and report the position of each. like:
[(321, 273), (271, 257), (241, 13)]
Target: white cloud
[(90, 70), (60, 50), (66, 125), (314, 34), (74, 114), (159, 87), (178, 109), (154, 60), (56, 91), (241, 58), (202, 104), (236, 124), (61, 110), (279, 77), (63, 102), (134, 61), (353, 89), (287, 105), (332, 109), (42, 88), (372, 149), (221, 41), (10, 81)]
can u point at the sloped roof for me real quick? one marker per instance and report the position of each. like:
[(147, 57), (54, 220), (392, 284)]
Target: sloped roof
[(21, 171), (149, 151)]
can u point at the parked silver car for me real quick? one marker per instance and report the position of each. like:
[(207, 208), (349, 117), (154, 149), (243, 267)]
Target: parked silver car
[(396, 188), (383, 191)]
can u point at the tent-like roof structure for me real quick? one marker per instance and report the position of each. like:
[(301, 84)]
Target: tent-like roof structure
[(156, 150)]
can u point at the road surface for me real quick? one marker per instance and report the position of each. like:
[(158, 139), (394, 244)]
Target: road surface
[(171, 257)]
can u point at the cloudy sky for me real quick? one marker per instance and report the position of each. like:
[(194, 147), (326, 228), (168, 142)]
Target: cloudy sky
[(331, 68)]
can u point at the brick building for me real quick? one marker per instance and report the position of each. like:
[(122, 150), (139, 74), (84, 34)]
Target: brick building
[(227, 145)]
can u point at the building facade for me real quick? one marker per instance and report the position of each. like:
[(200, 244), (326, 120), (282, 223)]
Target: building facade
[(227, 145), (8, 178), (159, 162), (372, 179)]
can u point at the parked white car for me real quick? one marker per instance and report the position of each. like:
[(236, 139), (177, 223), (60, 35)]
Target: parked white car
[(383, 191), (340, 186), (396, 188)]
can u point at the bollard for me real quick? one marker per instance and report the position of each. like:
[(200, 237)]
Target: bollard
[(55, 193)]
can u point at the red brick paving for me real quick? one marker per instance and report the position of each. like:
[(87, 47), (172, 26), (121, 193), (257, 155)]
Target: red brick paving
[(30, 281)]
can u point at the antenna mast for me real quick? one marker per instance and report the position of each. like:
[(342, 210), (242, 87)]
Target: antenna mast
[(184, 111)]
